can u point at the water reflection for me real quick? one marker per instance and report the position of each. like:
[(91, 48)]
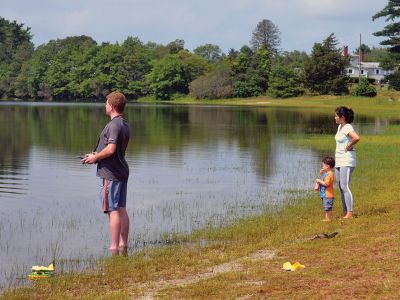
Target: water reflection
[(191, 167)]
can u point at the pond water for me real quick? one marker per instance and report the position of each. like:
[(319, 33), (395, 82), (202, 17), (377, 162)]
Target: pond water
[(191, 167)]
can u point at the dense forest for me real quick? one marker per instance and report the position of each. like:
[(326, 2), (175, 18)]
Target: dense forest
[(79, 68)]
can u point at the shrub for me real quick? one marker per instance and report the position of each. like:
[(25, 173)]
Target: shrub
[(214, 85), (364, 88)]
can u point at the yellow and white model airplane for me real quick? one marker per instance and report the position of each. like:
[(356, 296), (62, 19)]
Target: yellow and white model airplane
[(41, 271)]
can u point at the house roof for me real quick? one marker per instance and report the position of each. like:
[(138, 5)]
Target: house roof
[(366, 65), (374, 65)]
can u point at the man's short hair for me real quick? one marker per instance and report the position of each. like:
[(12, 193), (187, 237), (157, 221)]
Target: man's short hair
[(117, 100)]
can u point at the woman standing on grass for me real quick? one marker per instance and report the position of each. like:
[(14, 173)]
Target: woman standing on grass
[(345, 156)]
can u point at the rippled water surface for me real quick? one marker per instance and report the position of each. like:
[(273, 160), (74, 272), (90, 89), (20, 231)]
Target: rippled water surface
[(191, 166)]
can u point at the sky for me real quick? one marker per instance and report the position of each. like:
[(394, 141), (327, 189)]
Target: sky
[(226, 23)]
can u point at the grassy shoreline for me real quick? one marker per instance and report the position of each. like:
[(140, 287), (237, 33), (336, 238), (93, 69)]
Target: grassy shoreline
[(361, 262)]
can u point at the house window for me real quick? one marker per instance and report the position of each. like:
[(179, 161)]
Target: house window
[(377, 71), (362, 72), (350, 71)]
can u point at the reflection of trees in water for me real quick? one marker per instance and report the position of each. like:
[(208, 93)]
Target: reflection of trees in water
[(67, 128), (157, 128), (254, 135), (246, 128), (304, 122), (70, 128), (14, 137), (171, 129), (14, 147)]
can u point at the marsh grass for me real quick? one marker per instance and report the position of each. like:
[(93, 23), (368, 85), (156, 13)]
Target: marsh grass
[(360, 262)]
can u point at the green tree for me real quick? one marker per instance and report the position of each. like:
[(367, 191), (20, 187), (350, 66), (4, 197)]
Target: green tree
[(211, 53), (391, 31), (250, 72), (232, 54), (37, 69), (157, 51), (242, 85), (176, 46), (394, 80), (365, 49), (287, 75), (285, 82), (241, 61), (387, 60), (106, 65), (296, 59), (81, 76), (66, 70), (16, 48), (119, 67), (173, 73), (76, 67), (325, 70), (261, 68), (266, 35), (21, 88), (58, 69), (136, 64)]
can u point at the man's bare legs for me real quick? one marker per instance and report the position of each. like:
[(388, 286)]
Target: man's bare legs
[(124, 220), (119, 228), (115, 229)]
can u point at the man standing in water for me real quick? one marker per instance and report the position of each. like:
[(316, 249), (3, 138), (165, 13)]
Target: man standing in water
[(113, 170)]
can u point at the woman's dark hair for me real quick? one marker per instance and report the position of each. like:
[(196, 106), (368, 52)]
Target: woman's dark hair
[(347, 113)]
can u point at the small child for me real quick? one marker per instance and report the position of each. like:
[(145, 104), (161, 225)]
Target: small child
[(326, 186)]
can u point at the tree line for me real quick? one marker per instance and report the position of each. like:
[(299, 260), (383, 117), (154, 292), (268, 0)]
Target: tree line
[(79, 68)]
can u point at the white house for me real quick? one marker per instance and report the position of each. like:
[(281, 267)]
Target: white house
[(368, 69)]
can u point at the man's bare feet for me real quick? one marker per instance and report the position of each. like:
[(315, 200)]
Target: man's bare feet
[(123, 251), (114, 251), (326, 220)]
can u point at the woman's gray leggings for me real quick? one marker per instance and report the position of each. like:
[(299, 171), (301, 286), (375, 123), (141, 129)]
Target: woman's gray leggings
[(343, 175)]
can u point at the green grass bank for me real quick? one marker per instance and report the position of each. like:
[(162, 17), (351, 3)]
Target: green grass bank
[(244, 260)]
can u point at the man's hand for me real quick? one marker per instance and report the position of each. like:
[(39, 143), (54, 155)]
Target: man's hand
[(92, 158), (89, 158)]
